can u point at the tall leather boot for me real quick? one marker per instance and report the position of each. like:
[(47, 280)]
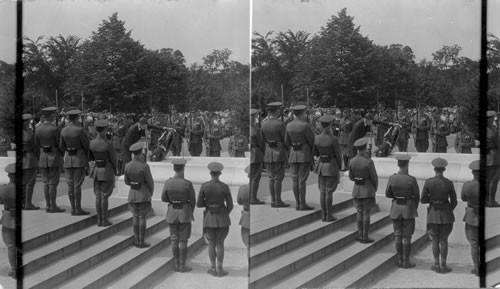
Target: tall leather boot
[(303, 205), (366, 228), (47, 198), (212, 256), (183, 250), (78, 204), (98, 210), (142, 232), (272, 193), (175, 253), (220, 259), (105, 212), (71, 197), (359, 223), (406, 255), (443, 247), (53, 195), (28, 205), (329, 209), (324, 212), (135, 225), (277, 193), (399, 252)]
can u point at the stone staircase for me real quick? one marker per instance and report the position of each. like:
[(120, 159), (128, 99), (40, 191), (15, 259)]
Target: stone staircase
[(493, 260), (291, 249), (78, 254)]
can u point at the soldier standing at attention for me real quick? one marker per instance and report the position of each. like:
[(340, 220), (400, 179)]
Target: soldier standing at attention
[(8, 200), (47, 137), (275, 156), (492, 160), (238, 144), (422, 134), (470, 194), (300, 138), (213, 134), (464, 141), (138, 176), (195, 139), (103, 153), (5, 143), (215, 197), (362, 172), (180, 195), (243, 199), (30, 161), (327, 148), (403, 189), (75, 145), (439, 193), (257, 149), (345, 130)]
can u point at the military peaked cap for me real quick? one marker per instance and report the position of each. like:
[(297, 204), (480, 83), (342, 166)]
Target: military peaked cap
[(136, 148), (27, 116), (360, 143), (253, 111), (439, 163), (298, 107), (247, 169), (179, 162), (101, 123), (215, 167), (491, 113), (11, 168), (474, 165), (74, 112), (326, 118)]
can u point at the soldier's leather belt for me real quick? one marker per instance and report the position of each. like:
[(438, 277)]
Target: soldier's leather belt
[(475, 208), (47, 149), (72, 151), (100, 163), (214, 208), (359, 181), (178, 204), (135, 185), (297, 146), (400, 200), (272, 143), (439, 204), (324, 158)]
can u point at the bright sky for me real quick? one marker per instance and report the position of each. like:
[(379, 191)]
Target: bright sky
[(196, 27)]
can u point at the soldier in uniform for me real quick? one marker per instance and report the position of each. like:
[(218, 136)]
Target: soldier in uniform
[(327, 148), (404, 135), (30, 161), (213, 134), (345, 131), (361, 128), (138, 176), (47, 137), (439, 193), (464, 141), (180, 195), (5, 143), (422, 135), (440, 132), (238, 144), (362, 172), (275, 156), (8, 200), (215, 197), (470, 194), (195, 138), (243, 199), (403, 189), (103, 172), (300, 138), (492, 160), (75, 145), (257, 149), (177, 137)]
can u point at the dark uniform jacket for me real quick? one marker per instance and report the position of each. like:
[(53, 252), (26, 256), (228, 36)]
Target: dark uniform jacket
[(345, 130), (238, 145), (243, 199), (439, 192), (48, 135), (273, 135), (299, 138), (8, 199), (422, 130), (216, 196), (492, 147), (102, 151), (257, 145), (179, 192), (327, 145), (213, 136), (470, 194), (196, 134), (404, 191), (30, 151), (134, 135), (362, 172), (75, 138), (139, 172)]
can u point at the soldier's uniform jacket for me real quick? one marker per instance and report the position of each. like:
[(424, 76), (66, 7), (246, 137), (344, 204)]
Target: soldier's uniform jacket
[(137, 172), (238, 143), (8, 199), (464, 141), (257, 145), (299, 138), (273, 135), (327, 148), (4, 143), (215, 196), (362, 172), (492, 147), (470, 194), (47, 137), (439, 193), (180, 194), (214, 134), (75, 145), (345, 130), (403, 189), (441, 131), (30, 151), (196, 134), (422, 130), (243, 199), (103, 154)]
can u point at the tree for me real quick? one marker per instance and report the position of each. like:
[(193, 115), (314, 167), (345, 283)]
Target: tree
[(7, 97)]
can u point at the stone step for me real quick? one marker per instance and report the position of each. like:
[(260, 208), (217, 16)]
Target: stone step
[(67, 245), (493, 278), (290, 240), (155, 269), (283, 266), (270, 222), (492, 242), (59, 225), (493, 259), (75, 264), (364, 273)]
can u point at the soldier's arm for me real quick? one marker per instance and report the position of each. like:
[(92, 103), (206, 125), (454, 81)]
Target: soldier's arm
[(337, 152), (113, 158), (126, 178), (200, 203), (388, 190), (351, 173), (453, 195), (192, 196), (230, 146), (415, 190), (260, 141), (463, 196), (310, 135), (164, 194), (85, 141), (149, 180), (229, 199), (239, 197), (424, 198), (62, 143), (373, 175)]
